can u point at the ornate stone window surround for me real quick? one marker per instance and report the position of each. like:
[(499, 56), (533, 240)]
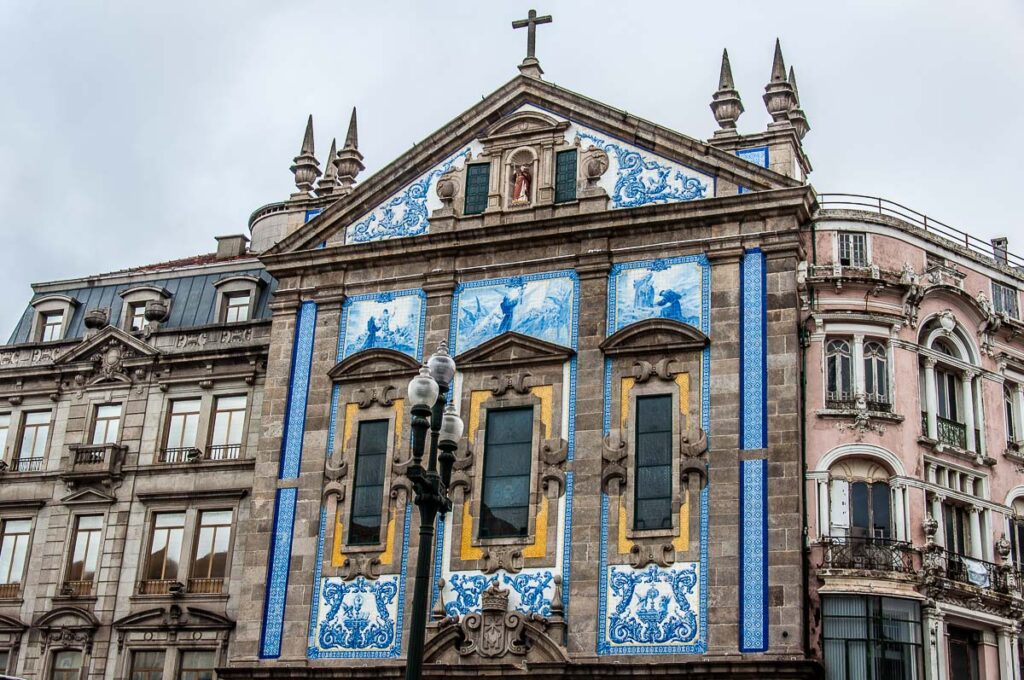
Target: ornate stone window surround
[(946, 484), (511, 161), (173, 630), (50, 304), (857, 335), (191, 504), (107, 398), (347, 446), (141, 295), (16, 433), (1014, 385), (11, 630), (965, 362), (231, 285), (207, 406), (508, 401), (867, 469)]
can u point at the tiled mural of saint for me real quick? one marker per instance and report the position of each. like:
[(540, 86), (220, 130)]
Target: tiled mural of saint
[(539, 307), (646, 290), (383, 321)]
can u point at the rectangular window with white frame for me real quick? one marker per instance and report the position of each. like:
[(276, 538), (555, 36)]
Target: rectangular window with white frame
[(1005, 300), (853, 249), (107, 426), (228, 428), (5, 428), (14, 539), (51, 326), (236, 306), (182, 431), (34, 436), (136, 316)]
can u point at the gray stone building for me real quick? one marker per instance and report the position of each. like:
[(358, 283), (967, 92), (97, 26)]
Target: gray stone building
[(621, 302), (129, 419)]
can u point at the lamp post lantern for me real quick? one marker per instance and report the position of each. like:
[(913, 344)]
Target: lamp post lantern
[(430, 412)]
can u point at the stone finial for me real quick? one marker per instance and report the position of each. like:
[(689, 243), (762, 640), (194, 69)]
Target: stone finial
[(797, 117), (349, 162), (725, 103), (779, 97), (328, 183), (306, 168)]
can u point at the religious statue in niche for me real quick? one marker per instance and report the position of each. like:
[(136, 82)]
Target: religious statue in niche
[(521, 183)]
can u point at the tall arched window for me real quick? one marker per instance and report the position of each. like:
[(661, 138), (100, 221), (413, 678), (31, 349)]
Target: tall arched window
[(839, 373), (861, 501), (876, 376), (953, 411)]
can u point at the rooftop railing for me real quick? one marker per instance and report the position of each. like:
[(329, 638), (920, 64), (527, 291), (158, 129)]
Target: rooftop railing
[(883, 206)]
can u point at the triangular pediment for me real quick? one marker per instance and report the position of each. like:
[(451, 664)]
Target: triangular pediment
[(657, 334), (374, 364), (173, 616), (106, 338), (644, 164), (87, 496), (512, 349), (10, 625)]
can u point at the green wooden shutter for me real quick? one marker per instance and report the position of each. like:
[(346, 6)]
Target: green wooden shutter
[(565, 176), (477, 180)]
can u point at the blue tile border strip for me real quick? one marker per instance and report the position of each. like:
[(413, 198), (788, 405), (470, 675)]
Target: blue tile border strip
[(757, 155), (753, 591), (753, 352), (277, 573), (298, 391)]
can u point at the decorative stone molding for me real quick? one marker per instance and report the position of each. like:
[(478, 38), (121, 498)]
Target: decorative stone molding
[(509, 558), (553, 453), (613, 471), (366, 565), (662, 369), (516, 383), (367, 398), (661, 554)]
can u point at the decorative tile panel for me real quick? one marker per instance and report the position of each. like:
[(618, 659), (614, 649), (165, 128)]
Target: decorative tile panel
[(277, 573), (753, 555), (407, 212), (391, 320), (298, 391), (753, 348), (757, 155), (669, 288), (530, 590)]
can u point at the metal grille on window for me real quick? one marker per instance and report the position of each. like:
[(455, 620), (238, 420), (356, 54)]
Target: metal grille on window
[(505, 507), (652, 497), (368, 488), (477, 181), (565, 176)]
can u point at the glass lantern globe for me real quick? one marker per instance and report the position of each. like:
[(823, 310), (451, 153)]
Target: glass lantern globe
[(451, 426), (423, 389), (441, 365)]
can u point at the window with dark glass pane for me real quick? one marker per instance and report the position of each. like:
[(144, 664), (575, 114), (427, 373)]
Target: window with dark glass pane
[(168, 529), (67, 665), (505, 507), (85, 549), (147, 665), (652, 498), (210, 559), (565, 176), (853, 249), (872, 638), (957, 529), (197, 665), (477, 181), (368, 488)]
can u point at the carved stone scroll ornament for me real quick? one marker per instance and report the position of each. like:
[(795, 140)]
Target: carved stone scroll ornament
[(553, 454), (595, 164), (367, 398), (515, 383), (334, 474), (693, 443), (509, 558), (366, 565), (613, 472), (662, 369), (661, 554), (495, 631), (460, 486)]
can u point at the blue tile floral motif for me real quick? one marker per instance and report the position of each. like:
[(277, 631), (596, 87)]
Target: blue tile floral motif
[(532, 590), (360, 614), (391, 320), (753, 359), (644, 179), (539, 305), (659, 289), (406, 213), (653, 606), (753, 555)]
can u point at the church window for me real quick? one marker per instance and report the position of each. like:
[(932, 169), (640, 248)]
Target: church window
[(197, 665), (565, 176), (210, 558), (166, 535), (368, 487), (839, 373), (136, 316), (67, 665), (182, 428), (853, 249), (478, 178), (505, 507), (1004, 300), (14, 535), (876, 376), (147, 665), (33, 442), (85, 552), (228, 423), (236, 306), (872, 638), (652, 502), (52, 326), (107, 425)]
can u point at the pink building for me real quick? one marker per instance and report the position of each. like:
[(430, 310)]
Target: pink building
[(914, 369)]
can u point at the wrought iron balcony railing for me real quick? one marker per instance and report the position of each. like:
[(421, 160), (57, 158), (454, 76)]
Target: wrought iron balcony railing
[(190, 454), (840, 401), (182, 454), (224, 452), (980, 573), (874, 554), (27, 464), (951, 432), (161, 587)]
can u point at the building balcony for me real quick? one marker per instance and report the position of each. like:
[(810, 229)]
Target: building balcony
[(969, 571), (10, 591), (76, 589), (161, 587), (93, 463), (191, 454), (27, 464), (206, 586), (869, 554), (950, 432)]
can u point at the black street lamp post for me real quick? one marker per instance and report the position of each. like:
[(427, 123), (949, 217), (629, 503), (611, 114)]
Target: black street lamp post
[(430, 411)]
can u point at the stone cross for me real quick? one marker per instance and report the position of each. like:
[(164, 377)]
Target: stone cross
[(530, 23)]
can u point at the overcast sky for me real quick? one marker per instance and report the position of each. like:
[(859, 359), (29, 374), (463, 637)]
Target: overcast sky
[(135, 132)]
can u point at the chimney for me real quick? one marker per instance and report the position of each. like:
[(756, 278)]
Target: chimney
[(231, 246), (999, 248)]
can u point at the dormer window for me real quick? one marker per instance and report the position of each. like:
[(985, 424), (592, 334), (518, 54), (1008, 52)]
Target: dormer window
[(237, 297), (136, 300), (853, 249), (236, 307), (51, 326), (136, 317)]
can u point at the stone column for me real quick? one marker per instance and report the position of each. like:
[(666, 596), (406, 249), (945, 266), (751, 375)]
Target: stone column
[(899, 512), (858, 365), (1014, 655), (940, 534), (934, 642), (931, 398), (824, 518), (967, 381), (979, 410), (1006, 653), (975, 521), (1018, 413)]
